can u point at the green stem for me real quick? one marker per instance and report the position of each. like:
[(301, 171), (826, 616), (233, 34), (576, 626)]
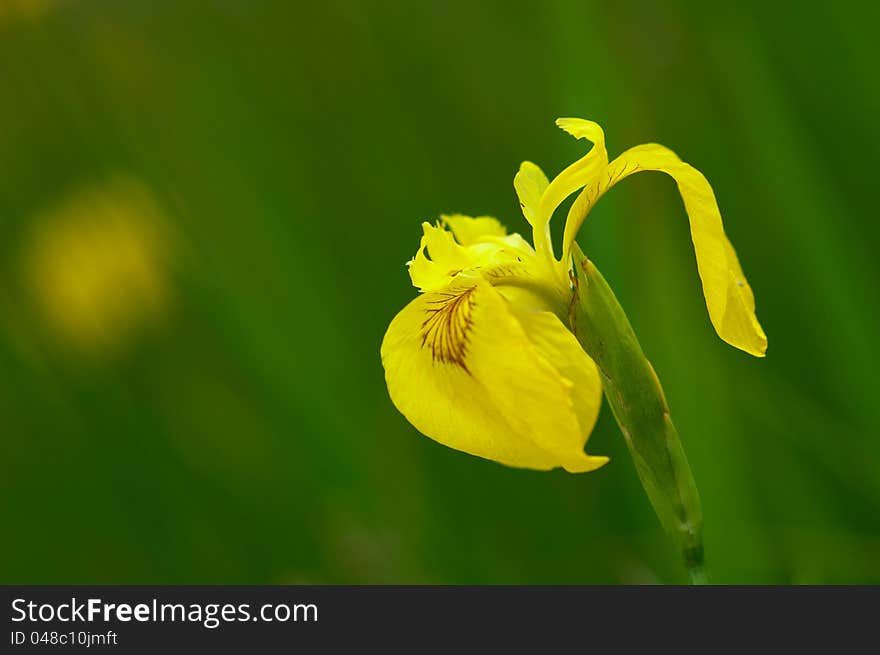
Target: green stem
[(636, 399), (697, 573)]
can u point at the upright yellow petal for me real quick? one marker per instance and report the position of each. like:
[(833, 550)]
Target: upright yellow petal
[(464, 371), (729, 298), (579, 173), (530, 184)]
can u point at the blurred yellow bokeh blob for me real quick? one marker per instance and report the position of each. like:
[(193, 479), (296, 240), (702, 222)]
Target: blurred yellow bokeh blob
[(97, 265)]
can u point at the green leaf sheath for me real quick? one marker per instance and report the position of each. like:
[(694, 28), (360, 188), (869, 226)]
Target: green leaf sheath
[(636, 398)]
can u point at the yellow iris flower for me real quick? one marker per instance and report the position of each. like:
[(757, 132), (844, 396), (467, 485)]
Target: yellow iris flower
[(484, 361)]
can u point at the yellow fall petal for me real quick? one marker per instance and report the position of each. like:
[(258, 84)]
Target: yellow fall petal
[(561, 348), (467, 372), (729, 298)]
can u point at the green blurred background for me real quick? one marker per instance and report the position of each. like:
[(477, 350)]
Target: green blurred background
[(206, 208)]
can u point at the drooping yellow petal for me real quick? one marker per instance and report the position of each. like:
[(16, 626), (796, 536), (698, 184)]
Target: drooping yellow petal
[(729, 298), (739, 317), (464, 371)]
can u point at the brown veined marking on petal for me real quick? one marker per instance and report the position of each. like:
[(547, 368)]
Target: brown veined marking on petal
[(446, 330), (594, 191), (496, 274), (504, 270)]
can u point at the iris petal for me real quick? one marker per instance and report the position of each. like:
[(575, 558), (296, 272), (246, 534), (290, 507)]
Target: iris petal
[(474, 244), (729, 298), (469, 230), (582, 171), (530, 184), (470, 374)]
